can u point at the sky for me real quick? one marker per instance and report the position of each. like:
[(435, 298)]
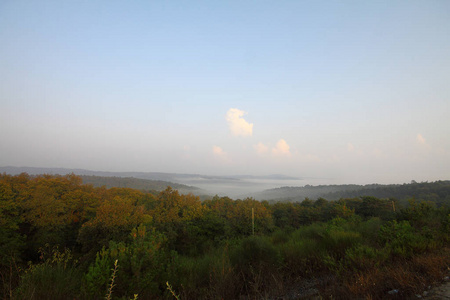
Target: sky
[(350, 91)]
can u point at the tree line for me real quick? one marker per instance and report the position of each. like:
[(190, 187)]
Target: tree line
[(58, 232)]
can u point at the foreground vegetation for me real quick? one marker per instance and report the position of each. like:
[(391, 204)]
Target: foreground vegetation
[(62, 239)]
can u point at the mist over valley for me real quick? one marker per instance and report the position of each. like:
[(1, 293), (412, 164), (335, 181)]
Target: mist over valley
[(270, 187)]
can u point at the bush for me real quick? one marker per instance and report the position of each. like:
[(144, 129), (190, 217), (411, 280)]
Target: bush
[(54, 278), (254, 251), (210, 276), (49, 282), (300, 256), (369, 230), (280, 237), (252, 260), (142, 266), (98, 275), (192, 274), (403, 240), (337, 239), (314, 231), (363, 257)]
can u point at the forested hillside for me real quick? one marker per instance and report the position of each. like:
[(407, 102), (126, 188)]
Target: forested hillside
[(137, 183), (437, 192), (158, 176), (62, 239)]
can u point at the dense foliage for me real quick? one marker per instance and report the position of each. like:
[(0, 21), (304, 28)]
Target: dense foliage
[(136, 183), (437, 192), (61, 239)]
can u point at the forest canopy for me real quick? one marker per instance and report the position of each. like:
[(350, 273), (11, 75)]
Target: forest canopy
[(58, 232)]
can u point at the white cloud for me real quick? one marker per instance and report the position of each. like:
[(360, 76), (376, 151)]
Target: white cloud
[(350, 147), (238, 126), (282, 148), (261, 148), (354, 150), (377, 153), (218, 151), (220, 154), (420, 139)]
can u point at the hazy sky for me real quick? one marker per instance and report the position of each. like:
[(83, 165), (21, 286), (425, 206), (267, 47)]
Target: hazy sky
[(354, 91)]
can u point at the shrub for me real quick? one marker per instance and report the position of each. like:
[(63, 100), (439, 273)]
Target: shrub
[(54, 278), (300, 256), (252, 260), (280, 237), (254, 251), (369, 230), (363, 257), (97, 277), (337, 241), (142, 262), (402, 240), (314, 231), (192, 274)]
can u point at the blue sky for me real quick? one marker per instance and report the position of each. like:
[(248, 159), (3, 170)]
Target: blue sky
[(354, 91)]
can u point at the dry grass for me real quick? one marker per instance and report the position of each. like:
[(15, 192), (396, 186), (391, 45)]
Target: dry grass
[(113, 277), (409, 277)]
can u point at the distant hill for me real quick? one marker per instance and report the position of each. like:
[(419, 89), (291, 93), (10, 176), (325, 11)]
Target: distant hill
[(300, 193), (171, 177), (272, 176), (112, 179), (239, 185), (233, 185), (63, 171), (438, 192), (137, 183)]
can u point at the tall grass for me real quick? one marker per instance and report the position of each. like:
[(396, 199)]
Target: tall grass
[(54, 278)]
